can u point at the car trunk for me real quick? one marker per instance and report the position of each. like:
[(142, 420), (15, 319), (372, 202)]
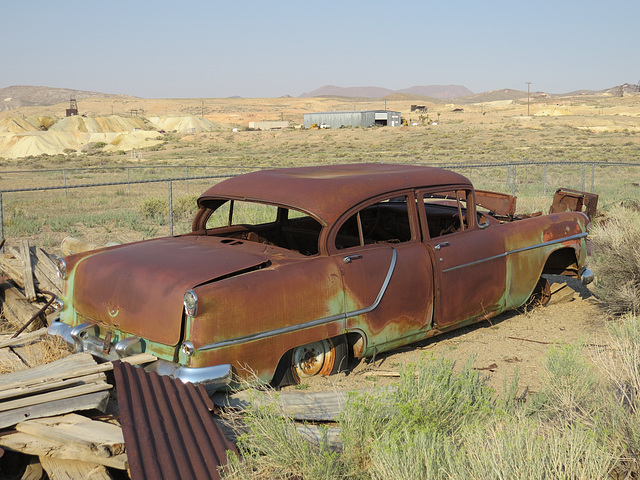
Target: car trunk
[(138, 288)]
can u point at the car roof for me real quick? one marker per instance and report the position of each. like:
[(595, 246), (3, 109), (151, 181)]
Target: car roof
[(326, 192)]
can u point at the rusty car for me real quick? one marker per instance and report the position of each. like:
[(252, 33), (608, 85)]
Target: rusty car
[(289, 272)]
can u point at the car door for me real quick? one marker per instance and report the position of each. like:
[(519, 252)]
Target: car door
[(386, 270), (469, 260)]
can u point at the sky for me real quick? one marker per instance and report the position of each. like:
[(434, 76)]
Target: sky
[(253, 49)]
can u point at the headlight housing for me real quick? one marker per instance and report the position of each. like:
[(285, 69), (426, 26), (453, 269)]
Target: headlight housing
[(61, 266), (190, 301)]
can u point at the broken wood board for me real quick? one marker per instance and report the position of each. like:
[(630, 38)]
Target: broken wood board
[(70, 384), (59, 469), (15, 306), (70, 437), (10, 362), (8, 340), (45, 275), (27, 270), (309, 406), (92, 401)]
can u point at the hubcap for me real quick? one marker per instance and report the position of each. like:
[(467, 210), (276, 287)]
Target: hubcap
[(316, 358)]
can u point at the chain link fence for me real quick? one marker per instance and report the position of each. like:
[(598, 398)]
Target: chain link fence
[(612, 181)]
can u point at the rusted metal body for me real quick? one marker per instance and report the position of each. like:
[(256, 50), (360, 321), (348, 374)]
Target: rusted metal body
[(566, 200), (167, 425), (370, 256)]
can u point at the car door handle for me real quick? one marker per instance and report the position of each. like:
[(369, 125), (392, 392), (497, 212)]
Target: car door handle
[(440, 245), (350, 258)]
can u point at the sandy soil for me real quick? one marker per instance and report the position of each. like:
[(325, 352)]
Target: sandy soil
[(508, 343)]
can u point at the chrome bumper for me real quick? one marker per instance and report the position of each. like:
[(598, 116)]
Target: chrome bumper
[(83, 338), (586, 276)]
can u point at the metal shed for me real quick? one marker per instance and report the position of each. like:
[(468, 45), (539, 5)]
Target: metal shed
[(361, 118)]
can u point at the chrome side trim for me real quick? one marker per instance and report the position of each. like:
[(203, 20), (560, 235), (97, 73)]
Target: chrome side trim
[(312, 323), (517, 250)]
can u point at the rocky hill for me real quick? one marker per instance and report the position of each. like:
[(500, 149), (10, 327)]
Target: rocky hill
[(28, 95), (434, 91)]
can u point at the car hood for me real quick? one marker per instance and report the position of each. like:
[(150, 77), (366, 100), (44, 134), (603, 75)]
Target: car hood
[(138, 288)]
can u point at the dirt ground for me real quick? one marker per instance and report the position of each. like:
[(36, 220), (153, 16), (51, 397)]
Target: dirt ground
[(508, 343)]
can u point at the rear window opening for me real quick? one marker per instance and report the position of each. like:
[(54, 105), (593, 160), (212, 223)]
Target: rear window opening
[(262, 223)]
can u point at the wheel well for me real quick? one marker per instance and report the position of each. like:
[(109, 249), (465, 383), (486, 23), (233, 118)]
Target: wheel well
[(562, 262)]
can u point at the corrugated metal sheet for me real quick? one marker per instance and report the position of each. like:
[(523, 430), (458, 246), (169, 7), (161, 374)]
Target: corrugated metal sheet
[(167, 426)]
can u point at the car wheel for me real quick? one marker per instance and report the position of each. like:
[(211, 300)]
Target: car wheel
[(324, 357), (540, 296)]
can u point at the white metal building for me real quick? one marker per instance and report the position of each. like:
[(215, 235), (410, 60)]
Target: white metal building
[(362, 118)]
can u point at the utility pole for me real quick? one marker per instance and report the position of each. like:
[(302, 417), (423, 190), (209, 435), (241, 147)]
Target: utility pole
[(528, 96)]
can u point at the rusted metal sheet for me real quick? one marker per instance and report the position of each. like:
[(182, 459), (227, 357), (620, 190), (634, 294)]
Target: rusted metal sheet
[(168, 429), (325, 191), (566, 200), (498, 203)]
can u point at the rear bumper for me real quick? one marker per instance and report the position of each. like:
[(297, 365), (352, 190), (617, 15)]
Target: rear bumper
[(81, 337)]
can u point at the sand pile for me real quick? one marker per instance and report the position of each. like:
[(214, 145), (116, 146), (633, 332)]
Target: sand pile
[(187, 124), (113, 123), (20, 137)]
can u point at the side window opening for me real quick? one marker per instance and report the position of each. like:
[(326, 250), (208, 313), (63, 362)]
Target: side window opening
[(446, 212), (386, 221), (263, 223)]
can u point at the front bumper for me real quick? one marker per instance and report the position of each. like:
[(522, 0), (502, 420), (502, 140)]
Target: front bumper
[(83, 338)]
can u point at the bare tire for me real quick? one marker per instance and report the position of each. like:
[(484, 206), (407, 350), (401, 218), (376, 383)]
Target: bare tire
[(324, 357)]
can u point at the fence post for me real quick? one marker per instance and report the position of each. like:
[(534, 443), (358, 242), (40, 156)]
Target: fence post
[(186, 178), (593, 177), (544, 179), (582, 169), (513, 189), (64, 177), (170, 208), (508, 174), (128, 182)]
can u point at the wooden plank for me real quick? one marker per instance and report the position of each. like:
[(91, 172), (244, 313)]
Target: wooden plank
[(75, 362), (11, 267), (16, 308), (102, 439), (46, 272), (309, 406), (48, 386), (27, 270), (55, 395), (78, 364), (59, 469), (9, 361), (92, 401), (23, 338), (50, 448)]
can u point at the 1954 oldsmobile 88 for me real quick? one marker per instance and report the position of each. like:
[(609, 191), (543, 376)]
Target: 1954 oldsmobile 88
[(287, 272)]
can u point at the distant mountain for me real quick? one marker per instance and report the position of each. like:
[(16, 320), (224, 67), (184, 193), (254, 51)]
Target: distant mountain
[(435, 91), (28, 95)]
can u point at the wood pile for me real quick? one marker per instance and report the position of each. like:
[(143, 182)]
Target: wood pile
[(29, 281), (39, 404)]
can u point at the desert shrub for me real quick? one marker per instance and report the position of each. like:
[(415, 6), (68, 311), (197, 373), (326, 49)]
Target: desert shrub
[(184, 208), (616, 260), (154, 208), (273, 448)]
